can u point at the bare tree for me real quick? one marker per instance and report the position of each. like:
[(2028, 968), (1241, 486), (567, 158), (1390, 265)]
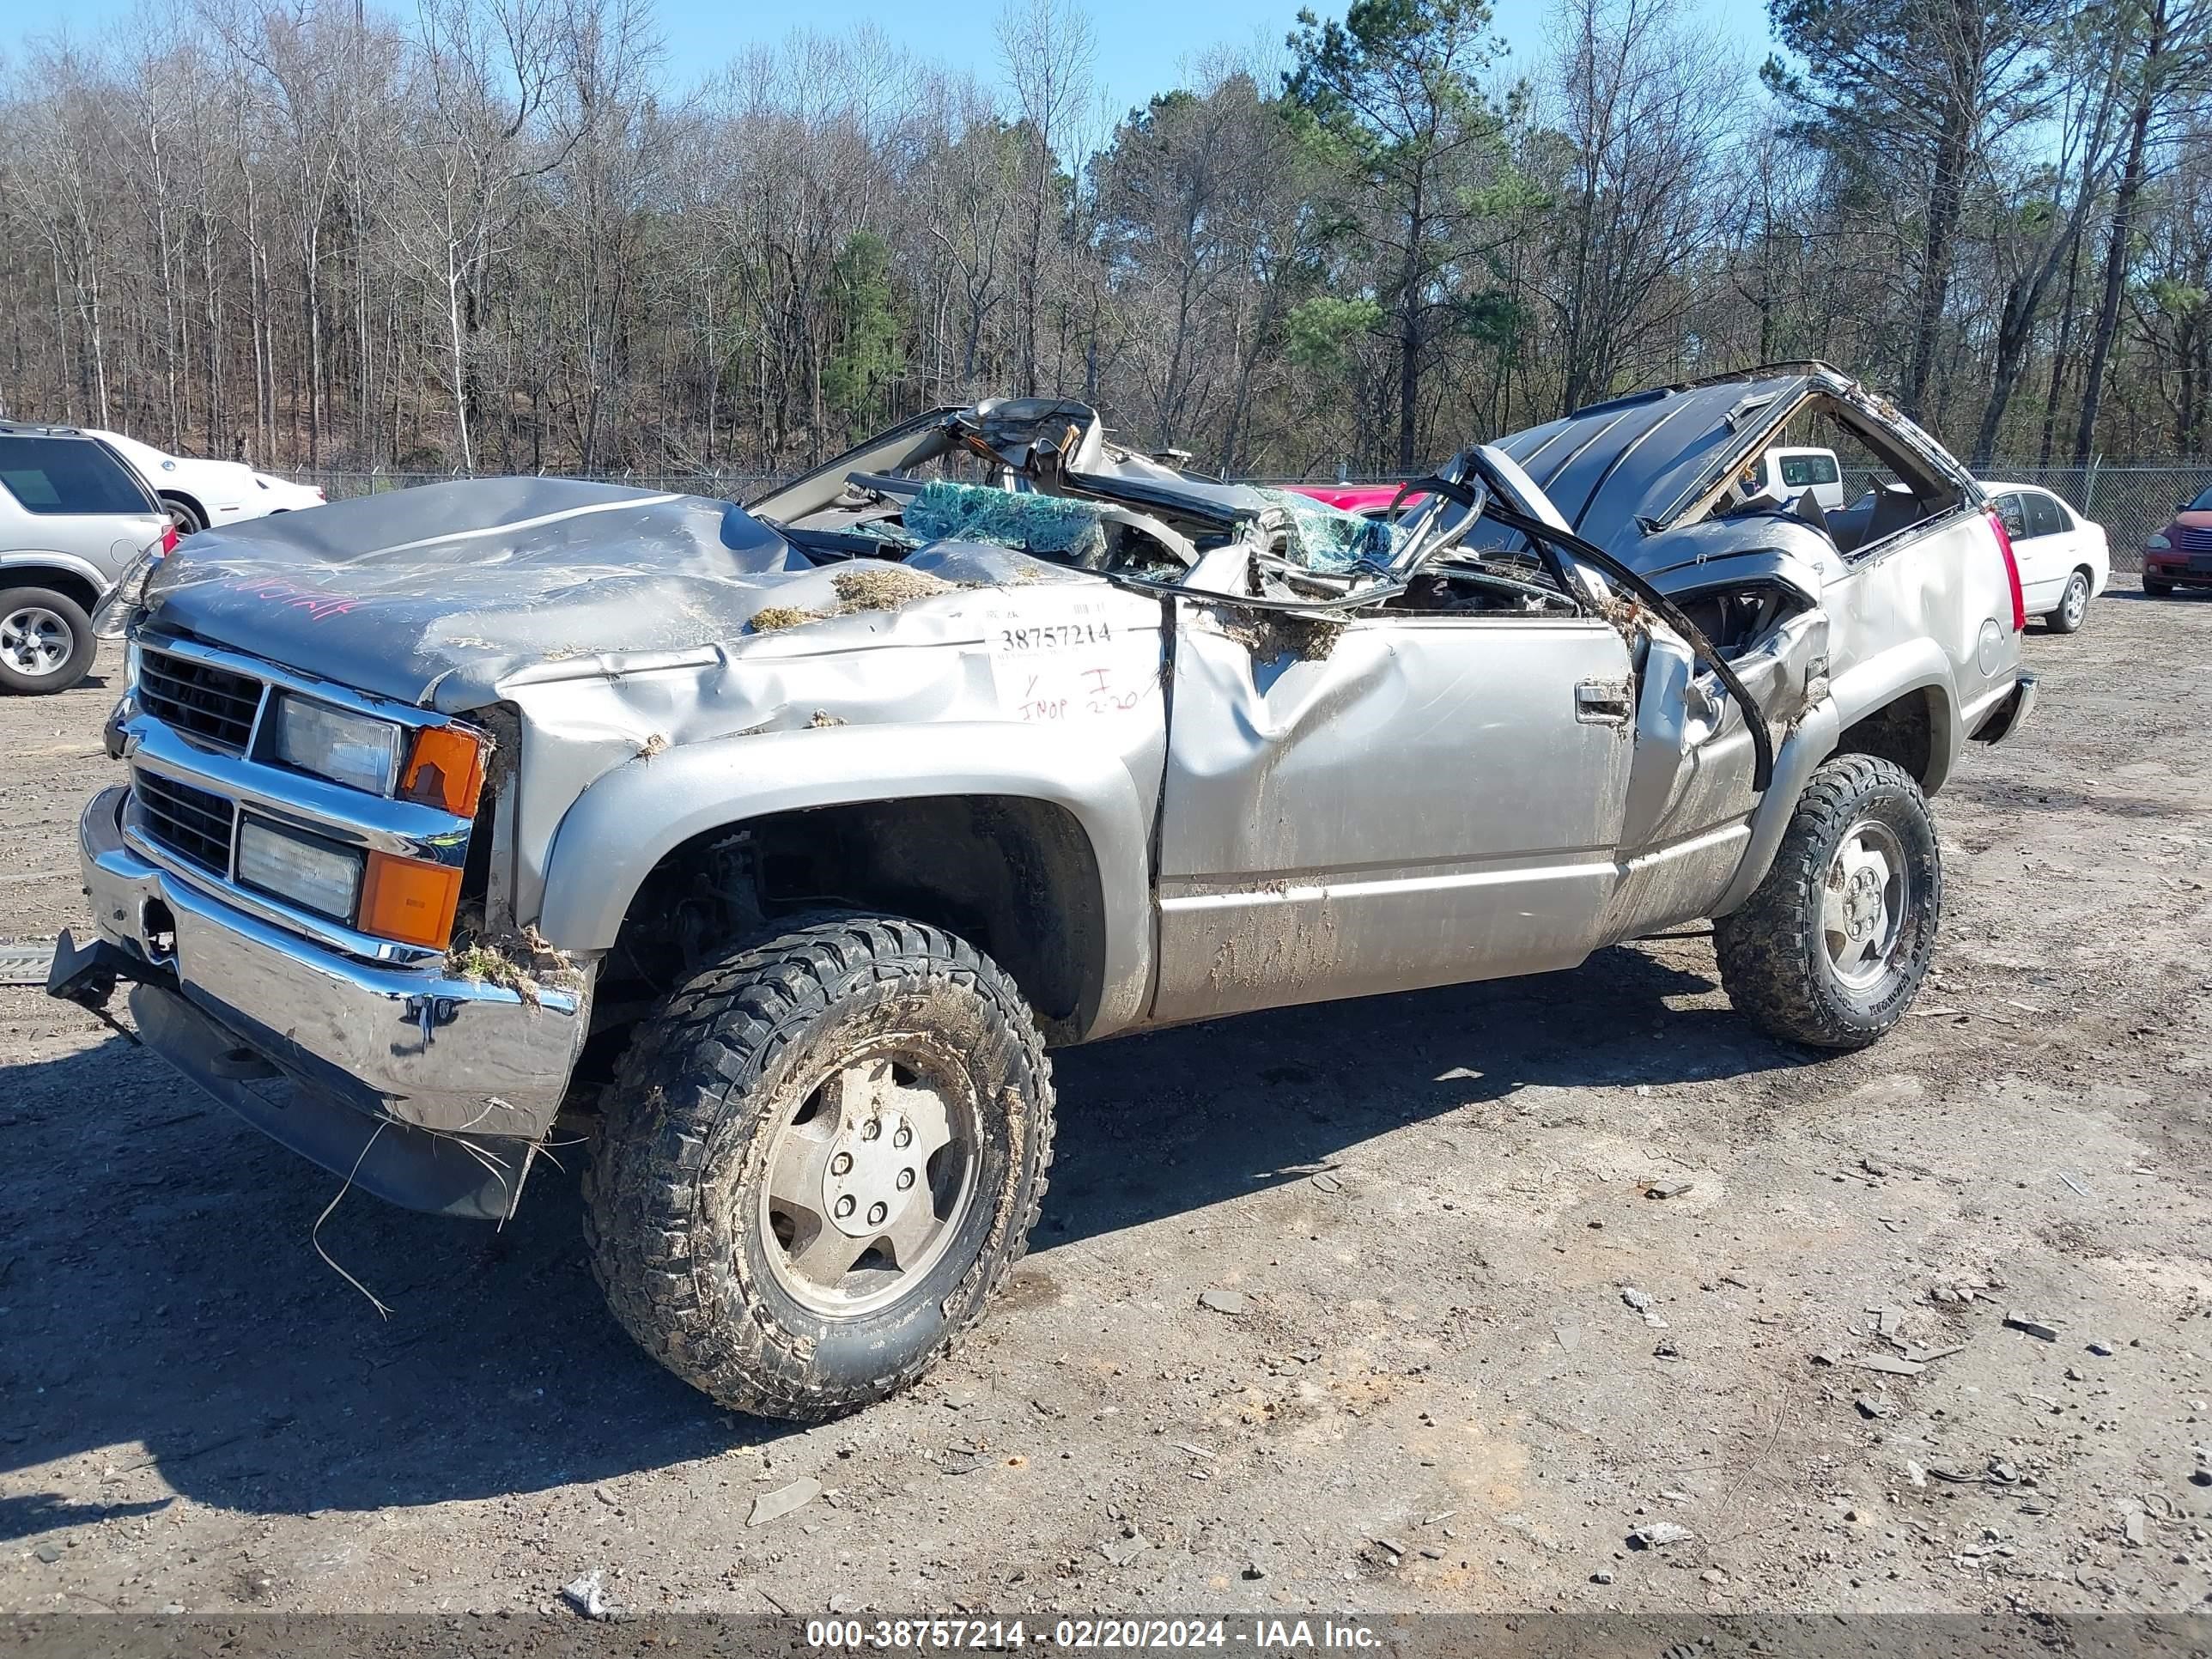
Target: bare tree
[(1048, 50)]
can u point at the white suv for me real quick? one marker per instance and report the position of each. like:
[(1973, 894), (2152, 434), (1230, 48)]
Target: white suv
[(73, 517)]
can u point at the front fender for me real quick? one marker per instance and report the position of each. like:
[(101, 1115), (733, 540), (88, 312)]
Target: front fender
[(1809, 741), (630, 818)]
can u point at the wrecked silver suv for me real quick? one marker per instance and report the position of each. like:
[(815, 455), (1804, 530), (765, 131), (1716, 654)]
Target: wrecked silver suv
[(777, 844)]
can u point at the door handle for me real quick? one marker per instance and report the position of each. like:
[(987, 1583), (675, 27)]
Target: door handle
[(1603, 703)]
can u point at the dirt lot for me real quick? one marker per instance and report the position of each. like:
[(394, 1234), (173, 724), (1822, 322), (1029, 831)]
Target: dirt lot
[(1439, 1392)]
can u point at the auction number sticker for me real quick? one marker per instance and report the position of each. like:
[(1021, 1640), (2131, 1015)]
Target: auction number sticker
[(1060, 664)]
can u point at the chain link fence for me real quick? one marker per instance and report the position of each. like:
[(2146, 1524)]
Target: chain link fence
[(2130, 501)]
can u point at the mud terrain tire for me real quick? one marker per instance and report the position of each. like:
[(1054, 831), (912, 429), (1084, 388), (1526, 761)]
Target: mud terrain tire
[(1778, 953), (714, 1108)]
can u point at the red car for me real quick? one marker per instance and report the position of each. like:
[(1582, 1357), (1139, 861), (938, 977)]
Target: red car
[(2180, 555), (1350, 497)]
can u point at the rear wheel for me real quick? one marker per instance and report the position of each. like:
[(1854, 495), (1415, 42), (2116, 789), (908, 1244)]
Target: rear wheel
[(818, 1162), (2073, 605), (186, 517), (1832, 946), (47, 643)]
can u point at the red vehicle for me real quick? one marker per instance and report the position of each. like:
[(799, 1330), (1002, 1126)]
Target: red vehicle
[(1350, 497), (2180, 555)]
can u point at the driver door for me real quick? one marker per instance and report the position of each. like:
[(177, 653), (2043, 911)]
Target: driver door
[(1421, 800)]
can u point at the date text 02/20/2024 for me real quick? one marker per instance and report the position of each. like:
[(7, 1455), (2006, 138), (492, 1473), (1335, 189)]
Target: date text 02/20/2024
[(1108, 1634)]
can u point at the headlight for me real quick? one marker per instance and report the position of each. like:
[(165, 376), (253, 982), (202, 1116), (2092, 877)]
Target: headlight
[(355, 750), (301, 869), (2157, 544)]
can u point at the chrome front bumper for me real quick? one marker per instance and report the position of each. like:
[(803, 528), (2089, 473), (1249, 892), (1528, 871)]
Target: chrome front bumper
[(432, 1092)]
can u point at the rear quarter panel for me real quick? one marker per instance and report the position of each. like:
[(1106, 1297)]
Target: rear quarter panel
[(1930, 610)]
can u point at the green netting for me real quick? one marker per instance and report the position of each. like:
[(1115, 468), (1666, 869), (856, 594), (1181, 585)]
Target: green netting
[(1328, 538), (1051, 527)]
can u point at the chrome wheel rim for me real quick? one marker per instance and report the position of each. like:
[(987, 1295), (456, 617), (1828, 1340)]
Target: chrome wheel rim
[(870, 1172), (182, 521), (35, 642), (1864, 901), (2077, 601)]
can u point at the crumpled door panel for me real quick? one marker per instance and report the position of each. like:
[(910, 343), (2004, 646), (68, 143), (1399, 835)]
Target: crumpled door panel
[(1413, 800)]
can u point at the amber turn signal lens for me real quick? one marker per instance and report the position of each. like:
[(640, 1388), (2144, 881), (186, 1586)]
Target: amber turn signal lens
[(445, 768), (409, 900)]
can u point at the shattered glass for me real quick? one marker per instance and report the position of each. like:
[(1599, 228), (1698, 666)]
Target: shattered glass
[(1049, 526), (1328, 538)]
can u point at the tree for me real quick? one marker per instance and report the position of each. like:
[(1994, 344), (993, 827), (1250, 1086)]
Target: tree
[(1046, 48), (1393, 91), (1909, 96), (2039, 231), (865, 359), (2171, 43), (1647, 109)]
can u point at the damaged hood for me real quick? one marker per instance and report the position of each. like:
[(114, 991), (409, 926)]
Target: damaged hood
[(433, 595)]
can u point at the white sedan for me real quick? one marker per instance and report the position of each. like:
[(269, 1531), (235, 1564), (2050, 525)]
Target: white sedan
[(198, 493), (2065, 560)]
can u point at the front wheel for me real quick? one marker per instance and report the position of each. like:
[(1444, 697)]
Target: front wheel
[(2073, 605), (2157, 589), (1830, 947), (818, 1161)]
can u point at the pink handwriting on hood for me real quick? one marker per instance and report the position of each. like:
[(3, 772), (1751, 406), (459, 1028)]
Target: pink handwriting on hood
[(317, 604)]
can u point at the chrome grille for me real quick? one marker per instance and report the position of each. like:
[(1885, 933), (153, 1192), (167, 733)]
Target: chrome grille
[(191, 823), (2189, 539), (211, 703)]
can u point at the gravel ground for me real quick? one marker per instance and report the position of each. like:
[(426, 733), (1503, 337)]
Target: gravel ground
[(1467, 1356)]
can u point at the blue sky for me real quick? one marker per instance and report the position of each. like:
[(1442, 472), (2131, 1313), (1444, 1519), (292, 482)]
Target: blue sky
[(1144, 46)]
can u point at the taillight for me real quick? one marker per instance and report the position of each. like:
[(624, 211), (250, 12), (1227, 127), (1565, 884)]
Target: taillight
[(168, 540), (2012, 575)]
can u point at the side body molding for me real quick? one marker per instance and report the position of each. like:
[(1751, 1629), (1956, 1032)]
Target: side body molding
[(631, 817)]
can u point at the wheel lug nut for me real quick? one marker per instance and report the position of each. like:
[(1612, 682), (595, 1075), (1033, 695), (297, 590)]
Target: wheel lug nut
[(844, 1207), (872, 1128), (905, 1179), (840, 1163), (903, 1138), (876, 1215)]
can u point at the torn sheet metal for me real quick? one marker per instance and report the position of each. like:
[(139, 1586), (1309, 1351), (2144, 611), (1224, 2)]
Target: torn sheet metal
[(1743, 550)]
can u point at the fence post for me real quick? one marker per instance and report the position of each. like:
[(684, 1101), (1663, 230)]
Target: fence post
[(2089, 488)]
